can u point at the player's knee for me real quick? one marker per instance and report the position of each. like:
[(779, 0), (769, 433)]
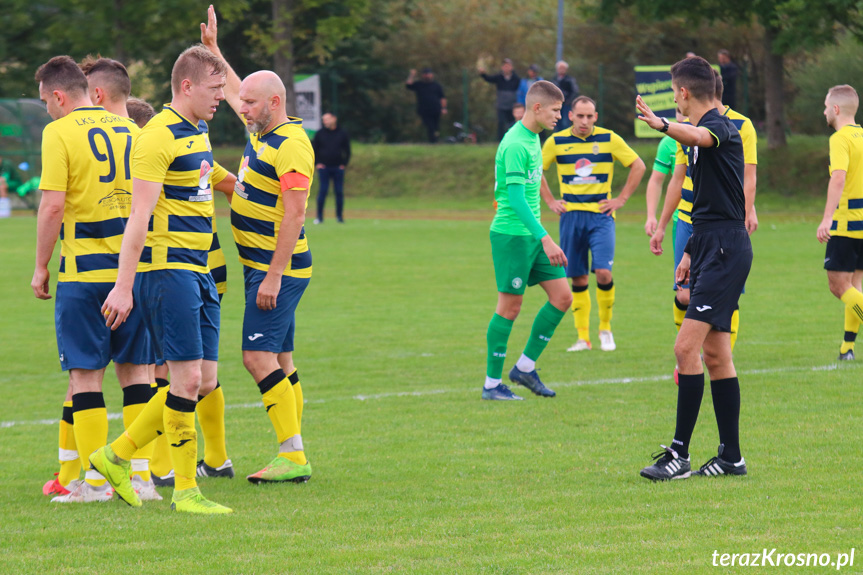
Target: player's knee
[(683, 349), (714, 359), (562, 300), (838, 287), (579, 282), (603, 277)]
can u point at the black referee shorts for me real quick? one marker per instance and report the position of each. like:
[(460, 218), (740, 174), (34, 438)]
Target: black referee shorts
[(721, 260)]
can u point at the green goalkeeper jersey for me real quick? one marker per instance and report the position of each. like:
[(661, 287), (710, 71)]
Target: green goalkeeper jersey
[(518, 161)]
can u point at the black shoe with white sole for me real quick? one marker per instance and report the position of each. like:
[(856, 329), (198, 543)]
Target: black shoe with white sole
[(667, 465), (718, 466)]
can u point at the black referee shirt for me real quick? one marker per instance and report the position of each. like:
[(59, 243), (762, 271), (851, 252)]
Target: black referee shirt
[(717, 173)]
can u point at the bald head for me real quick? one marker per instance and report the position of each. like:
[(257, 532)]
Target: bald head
[(262, 101)]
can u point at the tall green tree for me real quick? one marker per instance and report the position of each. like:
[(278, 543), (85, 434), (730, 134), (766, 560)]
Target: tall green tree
[(789, 26)]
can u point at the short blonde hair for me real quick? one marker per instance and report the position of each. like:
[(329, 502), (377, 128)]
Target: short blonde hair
[(845, 97), (195, 64)]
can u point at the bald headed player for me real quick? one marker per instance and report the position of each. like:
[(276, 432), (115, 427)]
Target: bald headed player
[(267, 216), (842, 225)]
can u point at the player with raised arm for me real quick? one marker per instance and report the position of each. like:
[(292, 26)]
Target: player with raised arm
[(523, 252), (267, 217), (585, 156), (716, 261), (86, 185), (167, 242), (842, 225)]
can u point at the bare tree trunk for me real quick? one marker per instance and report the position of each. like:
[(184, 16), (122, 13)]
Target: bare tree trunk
[(119, 33), (283, 54), (774, 92)]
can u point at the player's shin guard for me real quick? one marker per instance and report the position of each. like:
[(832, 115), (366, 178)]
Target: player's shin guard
[(91, 429), (146, 427), (679, 312), (852, 326), (735, 325), (543, 328), (161, 463), (689, 394), (294, 378), (497, 337), (179, 422), (211, 416), (605, 303), (853, 299), (135, 398), (581, 311), (281, 405), (726, 406), (70, 461)]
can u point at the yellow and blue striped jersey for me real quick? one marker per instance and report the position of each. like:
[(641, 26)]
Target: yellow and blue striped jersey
[(216, 262), (750, 156), (585, 166), (86, 155), (846, 153), (280, 159), (176, 153)]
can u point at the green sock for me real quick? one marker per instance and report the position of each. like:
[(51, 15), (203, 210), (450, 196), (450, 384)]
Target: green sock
[(543, 328), (498, 334)]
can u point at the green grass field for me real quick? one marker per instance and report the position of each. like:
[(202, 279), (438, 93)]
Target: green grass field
[(414, 474)]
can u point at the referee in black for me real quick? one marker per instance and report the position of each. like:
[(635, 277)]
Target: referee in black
[(716, 264)]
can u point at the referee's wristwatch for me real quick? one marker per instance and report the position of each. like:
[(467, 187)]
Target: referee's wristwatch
[(665, 125)]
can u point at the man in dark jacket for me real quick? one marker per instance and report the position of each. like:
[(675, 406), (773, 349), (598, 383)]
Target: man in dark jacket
[(569, 87), (332, 154), (507, 83), (431, 102)]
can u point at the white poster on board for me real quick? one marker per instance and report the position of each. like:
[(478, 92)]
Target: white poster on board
[(308, 92)]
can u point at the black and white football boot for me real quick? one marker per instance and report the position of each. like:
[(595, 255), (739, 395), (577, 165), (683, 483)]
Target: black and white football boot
[(667, 465), (717, 466)]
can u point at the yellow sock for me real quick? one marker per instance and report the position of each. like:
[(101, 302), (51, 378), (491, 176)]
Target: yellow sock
[(852, 326), (281, 404), (294, 378), (854, 300), (179, 418), (91, 429), (211, 416), (135, 398), (160, 463), (70, 461), (146, 427), (735, 325), (581, 311), (679, 312), (605, 303)]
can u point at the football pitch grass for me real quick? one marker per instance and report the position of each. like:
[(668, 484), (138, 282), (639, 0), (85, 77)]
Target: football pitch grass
[(413, 473)]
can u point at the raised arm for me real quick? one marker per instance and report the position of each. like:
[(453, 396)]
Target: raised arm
[(209, 37), (686, 134)]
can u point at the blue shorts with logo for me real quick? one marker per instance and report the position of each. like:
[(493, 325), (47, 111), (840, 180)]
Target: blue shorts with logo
[(682, 232), (83, 339), (181, 309), (271, 330), (581, 232)]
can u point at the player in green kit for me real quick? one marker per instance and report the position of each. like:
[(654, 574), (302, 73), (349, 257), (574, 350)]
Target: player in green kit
[(523, 252)]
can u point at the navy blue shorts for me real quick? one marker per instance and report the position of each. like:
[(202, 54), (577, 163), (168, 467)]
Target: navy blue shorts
[(581, 232), (83, 339), (181, 309), (681, 235), (843, 254), (271, 330), (721, 260)]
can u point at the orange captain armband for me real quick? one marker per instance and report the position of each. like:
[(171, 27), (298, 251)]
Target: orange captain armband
[(294, 181)]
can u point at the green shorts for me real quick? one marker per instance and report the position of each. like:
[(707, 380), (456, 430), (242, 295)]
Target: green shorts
[(519, 262)]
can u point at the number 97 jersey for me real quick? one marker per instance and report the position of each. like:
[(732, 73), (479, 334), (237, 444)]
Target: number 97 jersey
[(86, 154)]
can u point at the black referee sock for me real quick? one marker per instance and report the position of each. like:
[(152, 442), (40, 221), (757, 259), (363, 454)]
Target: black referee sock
[(726, 406), (689, 394)]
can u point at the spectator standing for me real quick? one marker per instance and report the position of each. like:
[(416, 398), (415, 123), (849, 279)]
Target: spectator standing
[(332, 153), (569, 87), (9, 180), (526, 83), (507, 82), (431, 101), (728, 70)]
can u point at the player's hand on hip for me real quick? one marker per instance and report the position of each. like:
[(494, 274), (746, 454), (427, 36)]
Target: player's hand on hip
[(751, 221), (554, 253), (612, 205), (39, 283), (650, 226), (823, 233), (209, 31), (268, 292), (117, 306), (656, 242), (558, 207), (681, 275)]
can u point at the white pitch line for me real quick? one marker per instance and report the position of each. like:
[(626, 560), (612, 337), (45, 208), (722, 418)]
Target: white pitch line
[(611, 381)]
